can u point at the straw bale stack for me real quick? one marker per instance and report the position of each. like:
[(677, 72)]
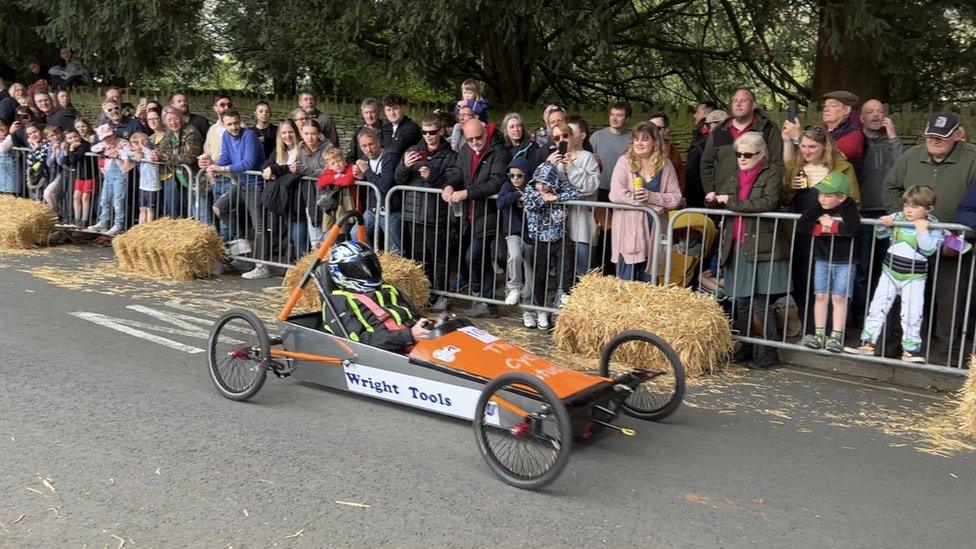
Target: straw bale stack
[(600, 307), (966, 410), (171, 249), (24, 223), (405, 274)]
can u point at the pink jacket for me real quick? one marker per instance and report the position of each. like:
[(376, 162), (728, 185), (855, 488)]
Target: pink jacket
[(631, 236)]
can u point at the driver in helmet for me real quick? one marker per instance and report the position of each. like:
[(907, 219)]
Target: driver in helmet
[(371, 311)]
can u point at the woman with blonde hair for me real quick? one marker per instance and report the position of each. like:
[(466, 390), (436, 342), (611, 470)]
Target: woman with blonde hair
[(643, 176), (818, 156), (282, 166)]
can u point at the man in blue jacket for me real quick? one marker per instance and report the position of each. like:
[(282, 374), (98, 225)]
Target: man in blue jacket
[(240, 152)]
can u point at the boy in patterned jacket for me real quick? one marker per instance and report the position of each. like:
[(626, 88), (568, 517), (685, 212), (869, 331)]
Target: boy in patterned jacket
[(547, 228)]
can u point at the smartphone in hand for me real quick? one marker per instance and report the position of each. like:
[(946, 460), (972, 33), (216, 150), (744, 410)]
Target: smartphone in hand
[(791, 112), (562, 147)]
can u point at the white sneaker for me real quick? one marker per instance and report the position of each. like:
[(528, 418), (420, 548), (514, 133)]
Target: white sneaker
[(113, 231), (97, 227), (542, 321), (528, 319), (563, 300), (512, 297), (261, 271)]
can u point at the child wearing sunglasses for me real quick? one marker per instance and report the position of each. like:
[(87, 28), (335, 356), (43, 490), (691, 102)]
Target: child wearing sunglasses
[(519, 274)]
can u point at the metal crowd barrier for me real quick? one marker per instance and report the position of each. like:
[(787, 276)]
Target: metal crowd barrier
[(80, 210), (947, 319), (481, 261), (257, 234)]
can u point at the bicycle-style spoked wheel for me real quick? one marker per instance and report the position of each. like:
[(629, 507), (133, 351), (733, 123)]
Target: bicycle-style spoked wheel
[(653, 360), (525, 448), (239, 354)]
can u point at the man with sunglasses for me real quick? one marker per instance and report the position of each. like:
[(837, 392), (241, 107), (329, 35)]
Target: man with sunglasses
[(717, 160), (482, 160), (123, 126)]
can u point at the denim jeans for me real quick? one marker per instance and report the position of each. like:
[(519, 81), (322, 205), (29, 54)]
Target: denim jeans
[(833, 278), (221, 186), (393, 242), (632, 271), (114, 189), (584, 257), (174, 199)]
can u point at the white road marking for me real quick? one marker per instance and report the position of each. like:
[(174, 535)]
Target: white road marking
[(116, 324)]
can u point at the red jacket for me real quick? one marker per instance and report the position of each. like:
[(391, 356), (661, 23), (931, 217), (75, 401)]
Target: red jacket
[(330, 178)]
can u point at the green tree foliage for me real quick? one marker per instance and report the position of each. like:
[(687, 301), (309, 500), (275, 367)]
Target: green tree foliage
[(117, 40), (578, 51)]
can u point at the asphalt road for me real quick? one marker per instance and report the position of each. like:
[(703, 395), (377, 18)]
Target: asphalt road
[(106, 437)]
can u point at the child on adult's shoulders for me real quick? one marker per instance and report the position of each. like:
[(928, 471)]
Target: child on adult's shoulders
[(833, 271)]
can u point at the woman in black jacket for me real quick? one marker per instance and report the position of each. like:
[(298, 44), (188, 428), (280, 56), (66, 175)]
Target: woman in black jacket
[(282, 175), (430, 164)]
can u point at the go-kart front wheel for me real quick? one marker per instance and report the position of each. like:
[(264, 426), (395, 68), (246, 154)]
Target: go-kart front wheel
[(525, 448), (663, 386), (239, 354)]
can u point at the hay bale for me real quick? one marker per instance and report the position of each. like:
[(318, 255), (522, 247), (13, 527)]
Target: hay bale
[(405, 274), (170, 249), (966, 409), (600, 307), (24, 223)]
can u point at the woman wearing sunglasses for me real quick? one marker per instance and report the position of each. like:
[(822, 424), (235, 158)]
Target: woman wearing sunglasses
[(754, 254)]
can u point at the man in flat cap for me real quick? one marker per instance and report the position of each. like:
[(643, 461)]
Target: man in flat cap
[(836, 115)]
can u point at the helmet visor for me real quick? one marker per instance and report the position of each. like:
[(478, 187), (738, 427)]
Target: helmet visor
[(366, 268)]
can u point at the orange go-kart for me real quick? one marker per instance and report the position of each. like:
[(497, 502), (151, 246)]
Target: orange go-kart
[(527, 411)]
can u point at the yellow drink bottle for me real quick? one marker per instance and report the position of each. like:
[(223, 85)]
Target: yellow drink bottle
[(638, 183)]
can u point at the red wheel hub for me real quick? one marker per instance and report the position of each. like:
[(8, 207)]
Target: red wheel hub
[(238, 353), (520, 430)]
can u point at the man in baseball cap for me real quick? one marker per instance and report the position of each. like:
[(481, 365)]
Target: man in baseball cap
[(948, 166), (942, 125)]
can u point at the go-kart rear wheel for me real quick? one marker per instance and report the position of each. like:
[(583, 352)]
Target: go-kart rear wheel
[(525, 449), (660, 394), (239, 354)]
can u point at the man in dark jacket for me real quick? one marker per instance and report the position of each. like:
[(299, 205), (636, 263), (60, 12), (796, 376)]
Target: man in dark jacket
[(482, 161), (431, 164), (180, 102), (402, 132), (50, 115), (718, 158), (370, 110), (379, 168)]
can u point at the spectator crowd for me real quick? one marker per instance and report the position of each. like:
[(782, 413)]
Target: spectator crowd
[(499, 193)]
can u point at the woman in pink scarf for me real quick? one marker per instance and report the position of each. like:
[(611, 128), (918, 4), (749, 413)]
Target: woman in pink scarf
[(753, 252)]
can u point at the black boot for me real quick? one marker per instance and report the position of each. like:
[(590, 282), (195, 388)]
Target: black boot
[(743, 354), (768, 360)]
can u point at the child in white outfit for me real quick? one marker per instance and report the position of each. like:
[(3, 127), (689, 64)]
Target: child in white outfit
[(904, 271)]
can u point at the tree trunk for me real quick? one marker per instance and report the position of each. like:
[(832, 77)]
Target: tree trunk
[(508, 70), (853, 66)]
